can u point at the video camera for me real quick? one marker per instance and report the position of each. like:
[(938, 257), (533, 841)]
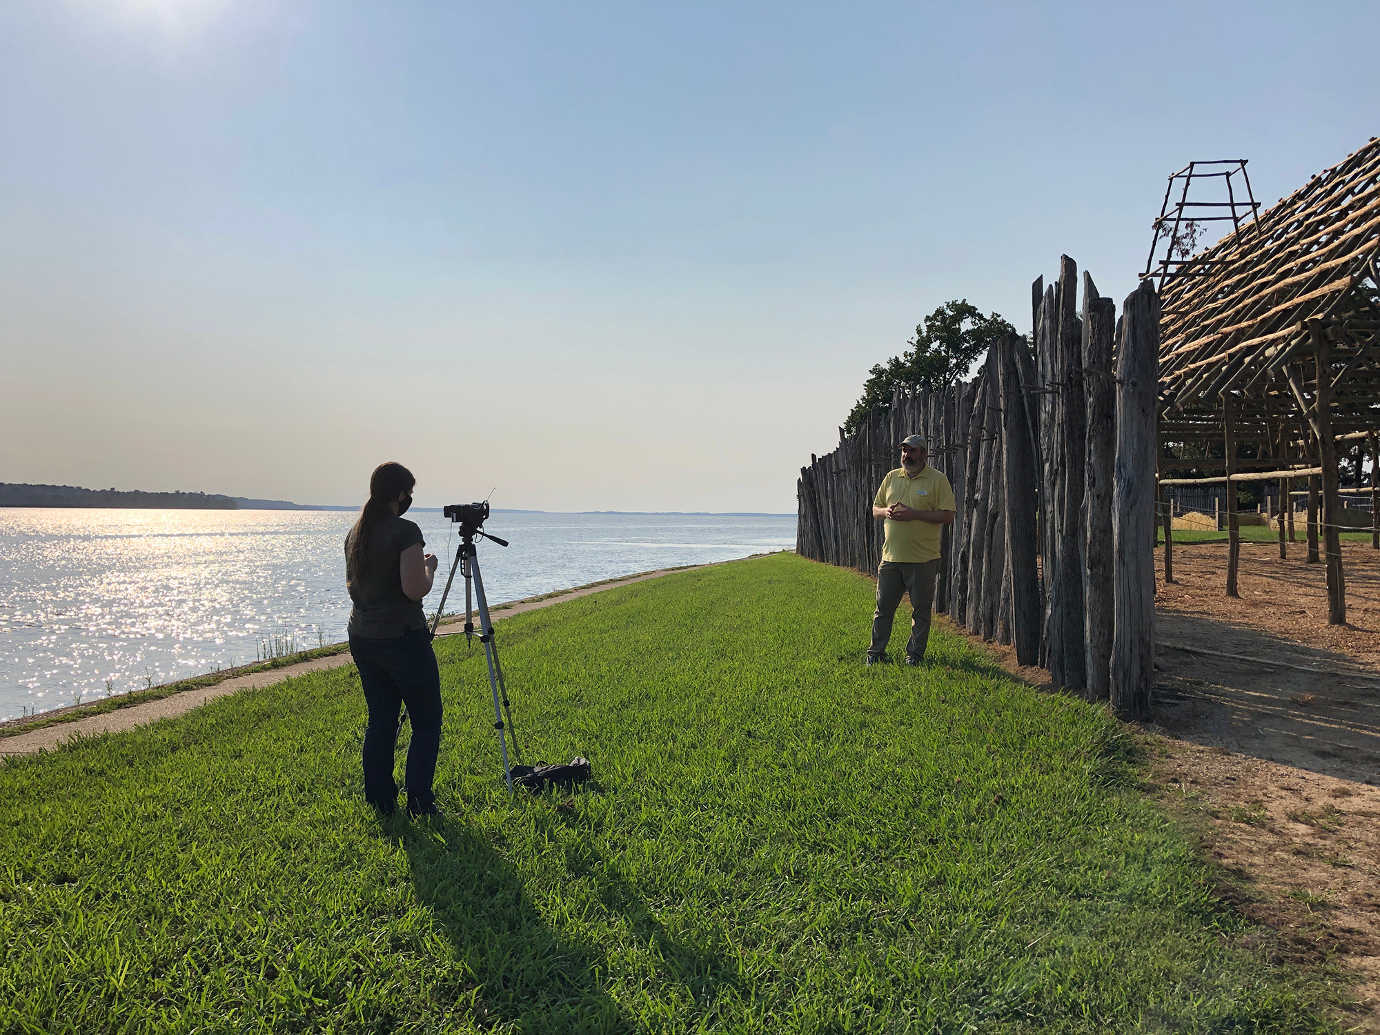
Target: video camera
[(469, 516)]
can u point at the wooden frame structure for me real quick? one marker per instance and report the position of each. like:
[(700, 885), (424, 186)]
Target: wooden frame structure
[(1272, 337)]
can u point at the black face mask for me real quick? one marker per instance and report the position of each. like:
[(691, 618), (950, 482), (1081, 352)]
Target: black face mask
[(402, 507)]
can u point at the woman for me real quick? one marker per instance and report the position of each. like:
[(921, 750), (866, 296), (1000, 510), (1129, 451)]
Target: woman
[(387, 575)]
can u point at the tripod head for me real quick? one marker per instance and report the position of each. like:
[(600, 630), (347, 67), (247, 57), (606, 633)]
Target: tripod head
[(471, 517)]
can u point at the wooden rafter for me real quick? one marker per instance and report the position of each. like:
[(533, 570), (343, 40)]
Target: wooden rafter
[(1236, 317)]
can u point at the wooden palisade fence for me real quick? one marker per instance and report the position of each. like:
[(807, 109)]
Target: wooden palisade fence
[(1051, 453)]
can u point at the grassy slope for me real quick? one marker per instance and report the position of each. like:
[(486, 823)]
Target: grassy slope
[(780, 839)]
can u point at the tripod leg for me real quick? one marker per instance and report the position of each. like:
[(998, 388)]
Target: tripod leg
[(486, 636)]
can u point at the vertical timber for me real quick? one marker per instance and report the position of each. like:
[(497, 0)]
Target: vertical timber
[(1133, 511)]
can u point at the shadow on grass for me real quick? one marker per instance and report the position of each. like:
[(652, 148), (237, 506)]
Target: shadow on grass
[(704, 972), (526, 974)]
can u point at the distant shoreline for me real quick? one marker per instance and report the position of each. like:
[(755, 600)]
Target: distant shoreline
[(70, 497)]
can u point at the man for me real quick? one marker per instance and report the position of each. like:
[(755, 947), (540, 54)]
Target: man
[(917, 502)]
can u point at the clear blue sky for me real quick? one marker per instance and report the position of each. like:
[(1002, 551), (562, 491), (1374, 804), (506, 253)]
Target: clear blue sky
[(617, 255)]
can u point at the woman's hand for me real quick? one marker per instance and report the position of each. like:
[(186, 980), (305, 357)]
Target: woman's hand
[(416, 570)]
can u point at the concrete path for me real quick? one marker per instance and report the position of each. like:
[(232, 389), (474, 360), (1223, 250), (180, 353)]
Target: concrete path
[(49, 737)]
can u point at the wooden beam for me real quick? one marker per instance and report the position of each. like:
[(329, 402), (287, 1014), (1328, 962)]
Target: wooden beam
[(1245, 476)]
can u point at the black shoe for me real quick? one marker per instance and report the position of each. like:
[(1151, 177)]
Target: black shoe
[(912, 660), (876, 659), (423, 808), (384, 808)]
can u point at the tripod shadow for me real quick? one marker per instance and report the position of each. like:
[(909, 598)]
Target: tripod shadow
[(528, 976)]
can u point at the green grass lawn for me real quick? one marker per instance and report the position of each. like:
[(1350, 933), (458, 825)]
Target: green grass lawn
[(779, 839), (1251, 534)]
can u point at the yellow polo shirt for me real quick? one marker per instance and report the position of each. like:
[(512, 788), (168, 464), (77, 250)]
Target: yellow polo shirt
[(914, 542)]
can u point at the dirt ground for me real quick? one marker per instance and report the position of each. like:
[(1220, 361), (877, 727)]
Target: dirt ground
[(1266, 737), (1268, 724)]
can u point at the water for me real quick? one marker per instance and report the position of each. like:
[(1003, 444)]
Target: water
[(97, 602)]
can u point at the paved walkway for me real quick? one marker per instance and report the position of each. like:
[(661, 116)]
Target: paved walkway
[(49, 737)]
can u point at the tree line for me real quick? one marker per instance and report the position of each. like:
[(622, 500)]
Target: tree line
[(20, 494), (945, 346)]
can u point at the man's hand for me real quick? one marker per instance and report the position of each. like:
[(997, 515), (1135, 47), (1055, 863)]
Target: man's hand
[(901, 512), (431, 563)]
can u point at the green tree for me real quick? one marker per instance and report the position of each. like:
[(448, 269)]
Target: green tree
[(944, 347)]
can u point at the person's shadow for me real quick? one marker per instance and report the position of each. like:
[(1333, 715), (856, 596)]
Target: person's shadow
[(526, 975)]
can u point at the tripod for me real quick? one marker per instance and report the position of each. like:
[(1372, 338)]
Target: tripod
[(467, 560)]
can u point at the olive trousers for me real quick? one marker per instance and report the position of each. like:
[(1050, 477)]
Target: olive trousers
[(894, 579)]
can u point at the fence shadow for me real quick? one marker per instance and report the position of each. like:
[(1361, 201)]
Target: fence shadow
[(1257, 693)]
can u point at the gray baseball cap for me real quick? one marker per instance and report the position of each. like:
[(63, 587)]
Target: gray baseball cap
[(915, 442)]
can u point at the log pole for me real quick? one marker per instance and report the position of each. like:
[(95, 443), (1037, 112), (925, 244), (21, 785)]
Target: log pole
[(1283, 502), (1099, 331), (1327, 455), (1018, 469), (1374, 491), (1167, 514), (1312, 530), (1133, 503), (1233, 523)]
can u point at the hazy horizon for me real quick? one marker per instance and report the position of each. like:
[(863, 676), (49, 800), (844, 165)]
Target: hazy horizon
[(631, 257)]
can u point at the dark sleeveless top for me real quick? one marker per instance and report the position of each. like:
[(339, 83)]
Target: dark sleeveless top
[(382, 610)]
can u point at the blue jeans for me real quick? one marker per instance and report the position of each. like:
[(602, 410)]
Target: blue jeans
[(394, 672)]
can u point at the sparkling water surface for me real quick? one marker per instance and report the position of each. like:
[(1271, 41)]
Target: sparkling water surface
[(97, 602)]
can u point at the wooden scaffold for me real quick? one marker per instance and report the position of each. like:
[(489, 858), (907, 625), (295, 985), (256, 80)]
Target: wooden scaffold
[(1270, 339)]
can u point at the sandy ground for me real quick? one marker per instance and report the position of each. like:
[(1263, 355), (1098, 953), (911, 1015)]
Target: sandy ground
[(1268, 725), (49, 737), (1266, 739)]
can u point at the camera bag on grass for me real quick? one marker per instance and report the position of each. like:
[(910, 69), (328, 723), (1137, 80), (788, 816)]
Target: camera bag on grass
[(544, 775)]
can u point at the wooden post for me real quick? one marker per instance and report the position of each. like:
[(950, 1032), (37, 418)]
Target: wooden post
[(962, 494), (1233, 524), (1374, 491), (994, 567), (1099, 328), (980, 473), (1321, 419), (1073, 447), (1167, 512), (939, 449), (1283, 496), (1018, 470), (1216, 512), (1133, 499), (1283, 506), (994, 541), (1047, 342), (1312, 531)]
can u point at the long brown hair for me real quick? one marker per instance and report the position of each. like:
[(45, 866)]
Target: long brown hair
[(385, 484)]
